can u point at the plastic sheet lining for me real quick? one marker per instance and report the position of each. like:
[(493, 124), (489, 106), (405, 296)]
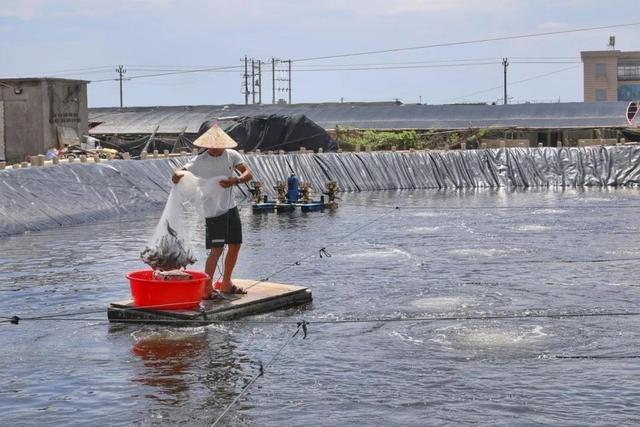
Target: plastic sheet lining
[(47, 197)]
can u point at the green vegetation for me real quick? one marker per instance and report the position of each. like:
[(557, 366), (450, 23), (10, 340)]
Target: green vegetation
[(408, 139), (377, 140)]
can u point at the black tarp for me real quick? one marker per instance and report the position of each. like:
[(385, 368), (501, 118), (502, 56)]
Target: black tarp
[(631, 134), (274, 132), (135, 147)]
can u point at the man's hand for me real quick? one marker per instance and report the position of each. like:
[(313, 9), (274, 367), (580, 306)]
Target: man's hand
[(229, 182), (177, 176)]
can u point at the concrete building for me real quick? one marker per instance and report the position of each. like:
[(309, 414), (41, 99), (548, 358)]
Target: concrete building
[(39, 113), (611, 75)]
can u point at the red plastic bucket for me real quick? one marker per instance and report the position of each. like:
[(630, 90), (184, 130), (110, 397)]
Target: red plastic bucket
[(166, 294)]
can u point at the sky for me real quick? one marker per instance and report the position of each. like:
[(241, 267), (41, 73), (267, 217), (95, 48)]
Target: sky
[(89, 39)]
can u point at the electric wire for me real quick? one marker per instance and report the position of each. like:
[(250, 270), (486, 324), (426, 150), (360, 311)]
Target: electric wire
[(301, 325), (467, 42), (538, 76), (304, 258), (320, 68), (300, 260), (170, 73), (526, 314), (195, 68), (408, 67), (402, 49)]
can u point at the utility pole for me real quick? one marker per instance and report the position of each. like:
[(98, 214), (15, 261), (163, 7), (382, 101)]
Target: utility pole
[(246, 82), (121, 71), (256, 81), (289, 82), (259, 84), (283, 83), (253, 82), (273, 80), (505, 64)]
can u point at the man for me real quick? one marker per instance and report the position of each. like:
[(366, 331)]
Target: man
[(219, 159)]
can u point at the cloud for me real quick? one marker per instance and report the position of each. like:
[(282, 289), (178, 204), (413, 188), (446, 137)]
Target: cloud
[(28, 10), (396, 7), (34, 9), (25, 9), (382, 7)]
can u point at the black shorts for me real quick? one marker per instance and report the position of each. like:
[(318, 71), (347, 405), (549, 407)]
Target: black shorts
[(222, 229)]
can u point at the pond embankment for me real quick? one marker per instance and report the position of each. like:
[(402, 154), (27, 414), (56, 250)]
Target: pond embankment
[(37, 198)]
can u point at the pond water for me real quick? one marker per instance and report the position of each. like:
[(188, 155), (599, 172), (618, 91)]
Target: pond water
[(447, 254)]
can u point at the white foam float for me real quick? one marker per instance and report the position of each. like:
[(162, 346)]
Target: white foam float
[(441, 304), (381, 253), (486, 252), (423, 230), (531, 227), (490, 337)]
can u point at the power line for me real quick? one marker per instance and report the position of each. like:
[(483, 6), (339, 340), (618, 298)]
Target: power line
[(435, 61), (335, 67), (301, 326), (201, 70), (105, 68), (465, 42), (398, 67), (513, 83), (452, 62), (171, 68), (524, 315), (476, 41)]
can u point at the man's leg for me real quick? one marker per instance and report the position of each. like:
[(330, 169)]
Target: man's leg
[(210, 268), (229, 264)]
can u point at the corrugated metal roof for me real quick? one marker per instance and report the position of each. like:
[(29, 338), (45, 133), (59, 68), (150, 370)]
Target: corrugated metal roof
[(171, 120), (42, 79)]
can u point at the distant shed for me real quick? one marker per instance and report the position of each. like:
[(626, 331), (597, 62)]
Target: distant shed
[(545, 122), (39, 113)]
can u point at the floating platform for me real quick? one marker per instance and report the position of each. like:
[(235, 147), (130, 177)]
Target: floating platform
[(285, 207), (263, 297), (264, 207), (304, 207), (290, 207), (312, 207)]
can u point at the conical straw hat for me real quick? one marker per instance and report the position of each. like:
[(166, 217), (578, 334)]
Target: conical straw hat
[(215, 138)]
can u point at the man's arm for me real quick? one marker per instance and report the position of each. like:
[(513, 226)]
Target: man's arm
[(177, 174), (245, 176)]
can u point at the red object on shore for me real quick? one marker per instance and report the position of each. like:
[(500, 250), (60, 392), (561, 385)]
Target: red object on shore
[(150, 293)]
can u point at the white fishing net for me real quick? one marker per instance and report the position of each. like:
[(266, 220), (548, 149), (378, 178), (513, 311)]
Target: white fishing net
[(171, 245)]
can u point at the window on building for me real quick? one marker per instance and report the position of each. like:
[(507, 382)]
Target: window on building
[(601, 70), (601, 94), (629, 71), (629, 92)]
